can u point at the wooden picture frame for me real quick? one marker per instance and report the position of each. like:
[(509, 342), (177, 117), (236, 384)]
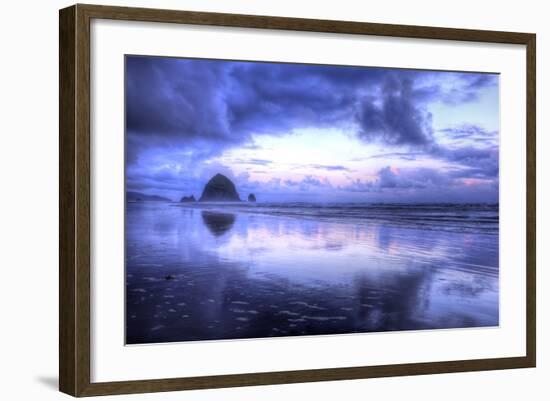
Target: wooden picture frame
[(74, 199)]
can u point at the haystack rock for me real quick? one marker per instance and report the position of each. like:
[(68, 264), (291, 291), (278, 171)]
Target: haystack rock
[(219, 189), (252, 198), (188, 199)]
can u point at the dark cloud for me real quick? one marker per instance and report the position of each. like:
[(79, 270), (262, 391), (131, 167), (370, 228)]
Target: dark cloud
[(479, 81), (180, 113), (308, 182), (275, 98), (393, 117), (329, 168), (468, 131), (471, 133), (397, 155), (425, 185), (257, 162), (358, 185), (474, 162), (467, 161), (465, 87), (177, 102), (172, 98), (418, 178), (387, 179), (188, 102)]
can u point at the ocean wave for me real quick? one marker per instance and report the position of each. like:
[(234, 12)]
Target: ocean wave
[(464, 218)]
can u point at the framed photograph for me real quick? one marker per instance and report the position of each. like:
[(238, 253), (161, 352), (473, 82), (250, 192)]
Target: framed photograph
[(250, 200)]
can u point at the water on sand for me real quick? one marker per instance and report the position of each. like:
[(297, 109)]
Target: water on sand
[(214, 271)]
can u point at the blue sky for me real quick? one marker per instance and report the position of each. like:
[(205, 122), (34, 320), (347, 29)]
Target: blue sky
[(295, 132)]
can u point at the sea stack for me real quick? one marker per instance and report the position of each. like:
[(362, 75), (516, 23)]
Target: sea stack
[(188, 199), (219, 189), (251, 198)]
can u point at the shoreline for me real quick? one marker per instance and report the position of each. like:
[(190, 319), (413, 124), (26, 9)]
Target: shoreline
[(432, 217)]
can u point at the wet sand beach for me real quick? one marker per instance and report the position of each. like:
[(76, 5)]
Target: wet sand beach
[(209, 271)]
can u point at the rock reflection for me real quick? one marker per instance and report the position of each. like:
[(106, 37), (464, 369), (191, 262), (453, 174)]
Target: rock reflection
[(218, 223)]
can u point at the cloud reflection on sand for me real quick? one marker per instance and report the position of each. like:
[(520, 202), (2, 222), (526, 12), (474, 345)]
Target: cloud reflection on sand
[(241, 275)]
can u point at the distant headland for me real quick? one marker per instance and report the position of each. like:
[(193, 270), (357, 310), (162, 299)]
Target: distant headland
[(138, 197)]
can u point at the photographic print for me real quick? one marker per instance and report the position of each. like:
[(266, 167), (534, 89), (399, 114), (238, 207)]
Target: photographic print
[(272, 199)]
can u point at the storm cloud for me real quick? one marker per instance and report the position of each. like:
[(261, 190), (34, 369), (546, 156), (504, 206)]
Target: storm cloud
[(393, 117), (181, 114), (171, 99)]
